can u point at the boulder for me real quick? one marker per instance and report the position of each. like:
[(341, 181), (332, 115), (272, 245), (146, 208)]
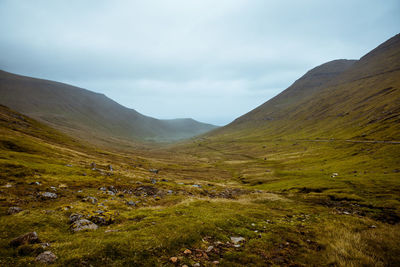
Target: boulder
[(46, 257), (47, 195), (13, 210), (74, 217), (236, 240), (83, 224), (92, 200), (28, 238)]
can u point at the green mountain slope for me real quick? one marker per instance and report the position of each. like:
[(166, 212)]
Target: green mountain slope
[(87, 114), (343, 99)]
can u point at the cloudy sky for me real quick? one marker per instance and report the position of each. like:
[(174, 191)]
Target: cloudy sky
[(205, 59)]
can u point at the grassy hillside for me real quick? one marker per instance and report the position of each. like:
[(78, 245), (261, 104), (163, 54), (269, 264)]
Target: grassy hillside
[(340, 99), (87, 114)]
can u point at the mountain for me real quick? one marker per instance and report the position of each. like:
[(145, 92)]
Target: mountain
[(86, 114), (347, 99)]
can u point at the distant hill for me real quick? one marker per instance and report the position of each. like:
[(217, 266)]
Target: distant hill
[(89, 115), (347, 99)]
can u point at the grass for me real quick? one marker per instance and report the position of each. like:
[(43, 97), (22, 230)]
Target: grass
[(278, 195)]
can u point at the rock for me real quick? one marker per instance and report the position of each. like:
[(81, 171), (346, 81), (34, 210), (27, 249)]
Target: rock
[(164, 180), (34, 183), (197, 185), (215, 262), (187, 252), (83, 224), (74, 217), (93, 166), (334, 174), (153, 171), (196, 264), (170, 192), (209, 249), (13, 210), (372, 226), (103, 189), (185, 265), (173, 259), (62, 186), (92, 200), (105, 218), (47, 195), (46, 257), (28, 238), (8, 185), (69, 165), (110, 168), (153, 181), (237, 240), (131, 203)]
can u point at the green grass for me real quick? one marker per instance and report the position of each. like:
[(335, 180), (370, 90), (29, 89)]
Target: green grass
[(281, 189)]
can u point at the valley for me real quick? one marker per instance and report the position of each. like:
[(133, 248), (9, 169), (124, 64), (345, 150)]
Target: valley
[(309, 178)]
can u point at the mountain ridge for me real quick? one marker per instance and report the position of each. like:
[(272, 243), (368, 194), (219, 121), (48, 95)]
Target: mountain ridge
[(82, 112), (360, 99)]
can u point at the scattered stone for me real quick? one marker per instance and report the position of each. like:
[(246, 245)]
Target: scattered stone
[(84, 174), (7, 185), (334, 174), (209, 249), (196, 264), (34, 183), (69, 165), (346, 212), (153, 181), (372, 226), (237, 240), (45, 245), (62, 186), (164, 180), (83, 224), (197, 185), (13, 210), (46, 257), (185, 265), (53, 188), (237, 245), (253, 224), (215, 262), (28, 238), (173, 259), (131, 203), (93, 166), (153, 171), (170, 192), (187, 252), (110, 168), (103, 189), (47, 195), (92, 200), (74, 217)]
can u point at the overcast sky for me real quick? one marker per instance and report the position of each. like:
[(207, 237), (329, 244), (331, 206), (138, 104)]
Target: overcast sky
[(211, 60)]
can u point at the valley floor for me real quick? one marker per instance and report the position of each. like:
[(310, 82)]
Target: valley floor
[(208, 203)]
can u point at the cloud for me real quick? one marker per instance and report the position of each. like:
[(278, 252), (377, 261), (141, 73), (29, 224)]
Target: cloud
[(210, 60)]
